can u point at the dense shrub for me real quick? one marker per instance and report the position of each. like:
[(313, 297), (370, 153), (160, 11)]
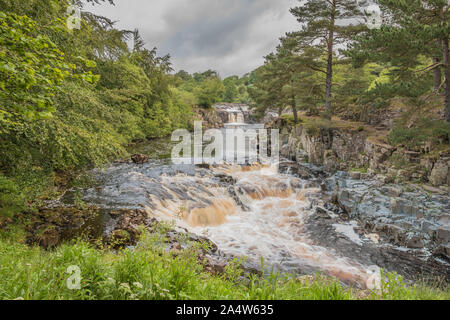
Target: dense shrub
[(433, 132), (11, 199)]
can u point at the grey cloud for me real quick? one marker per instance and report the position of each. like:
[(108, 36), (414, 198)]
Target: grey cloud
[(231, 36), (214, 27)]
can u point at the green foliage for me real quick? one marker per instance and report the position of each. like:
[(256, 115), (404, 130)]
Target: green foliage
[(11, 199), (314, 126), (31, 69), (207, 88), (231, 92), (72, 100), (287, 79), (209, 92), (435, 132), (32, 273), (413, 44)]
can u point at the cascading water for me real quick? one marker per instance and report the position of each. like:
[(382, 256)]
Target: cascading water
[(260, 215), (257, 212), (235, 117)]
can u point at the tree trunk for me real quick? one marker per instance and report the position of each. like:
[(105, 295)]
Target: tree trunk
[(329, 80), (437, 75), (447, 78), (437, 71), (294, 105), (294, 109)]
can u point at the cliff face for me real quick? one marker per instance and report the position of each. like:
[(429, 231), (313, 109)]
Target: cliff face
[(347, 149)]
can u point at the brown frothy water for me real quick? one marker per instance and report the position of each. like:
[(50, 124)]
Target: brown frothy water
[(214, 215), (272, 227)]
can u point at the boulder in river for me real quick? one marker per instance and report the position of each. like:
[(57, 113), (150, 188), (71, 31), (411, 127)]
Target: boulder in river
[(139, 158)]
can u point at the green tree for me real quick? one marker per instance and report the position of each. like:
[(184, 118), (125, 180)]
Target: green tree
[(32, 69), (210, 92), (431, 19), (231, 93), (325, 26), (412, 30)]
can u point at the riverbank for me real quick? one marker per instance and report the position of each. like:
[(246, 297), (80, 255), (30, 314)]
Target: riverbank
[(135, 186), (150, 272), (159, 263), (340, 145)]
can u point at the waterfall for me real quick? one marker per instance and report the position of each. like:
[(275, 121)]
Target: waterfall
[(236, 117)]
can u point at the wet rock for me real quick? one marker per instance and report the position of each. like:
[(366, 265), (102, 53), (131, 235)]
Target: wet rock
[(239, 194), (324, 213), (298, 169), (443, 250), (439, 174), (347, 200), (396, 234), (226, 179), (139, 158), (429, 228), (355, 175), (444, 220), (414, 241), (402, 261), (405, 207), (443, 235), (392, 191)]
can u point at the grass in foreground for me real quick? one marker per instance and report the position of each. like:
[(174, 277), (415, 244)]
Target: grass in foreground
[(149, 272)]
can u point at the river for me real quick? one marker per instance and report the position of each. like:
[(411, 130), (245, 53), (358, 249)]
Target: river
[(263, 213)]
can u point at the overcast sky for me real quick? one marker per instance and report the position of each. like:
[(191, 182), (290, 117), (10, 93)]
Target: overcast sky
[(230, 36)]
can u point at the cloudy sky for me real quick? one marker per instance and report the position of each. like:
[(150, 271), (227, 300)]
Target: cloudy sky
[(231, 36)]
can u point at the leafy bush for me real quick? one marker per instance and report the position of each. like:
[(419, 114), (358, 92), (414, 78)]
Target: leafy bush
[(209, 92), (31, 69), (436, 132), (11, 200), (315, 125)]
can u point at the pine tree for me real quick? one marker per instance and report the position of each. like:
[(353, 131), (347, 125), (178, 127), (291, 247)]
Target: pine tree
[(327, 25), (433, 17), (414, 28), (287, 78)]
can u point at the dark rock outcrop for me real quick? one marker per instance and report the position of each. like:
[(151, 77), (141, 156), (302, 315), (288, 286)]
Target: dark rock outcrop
[(350, 148), (139, 158)]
